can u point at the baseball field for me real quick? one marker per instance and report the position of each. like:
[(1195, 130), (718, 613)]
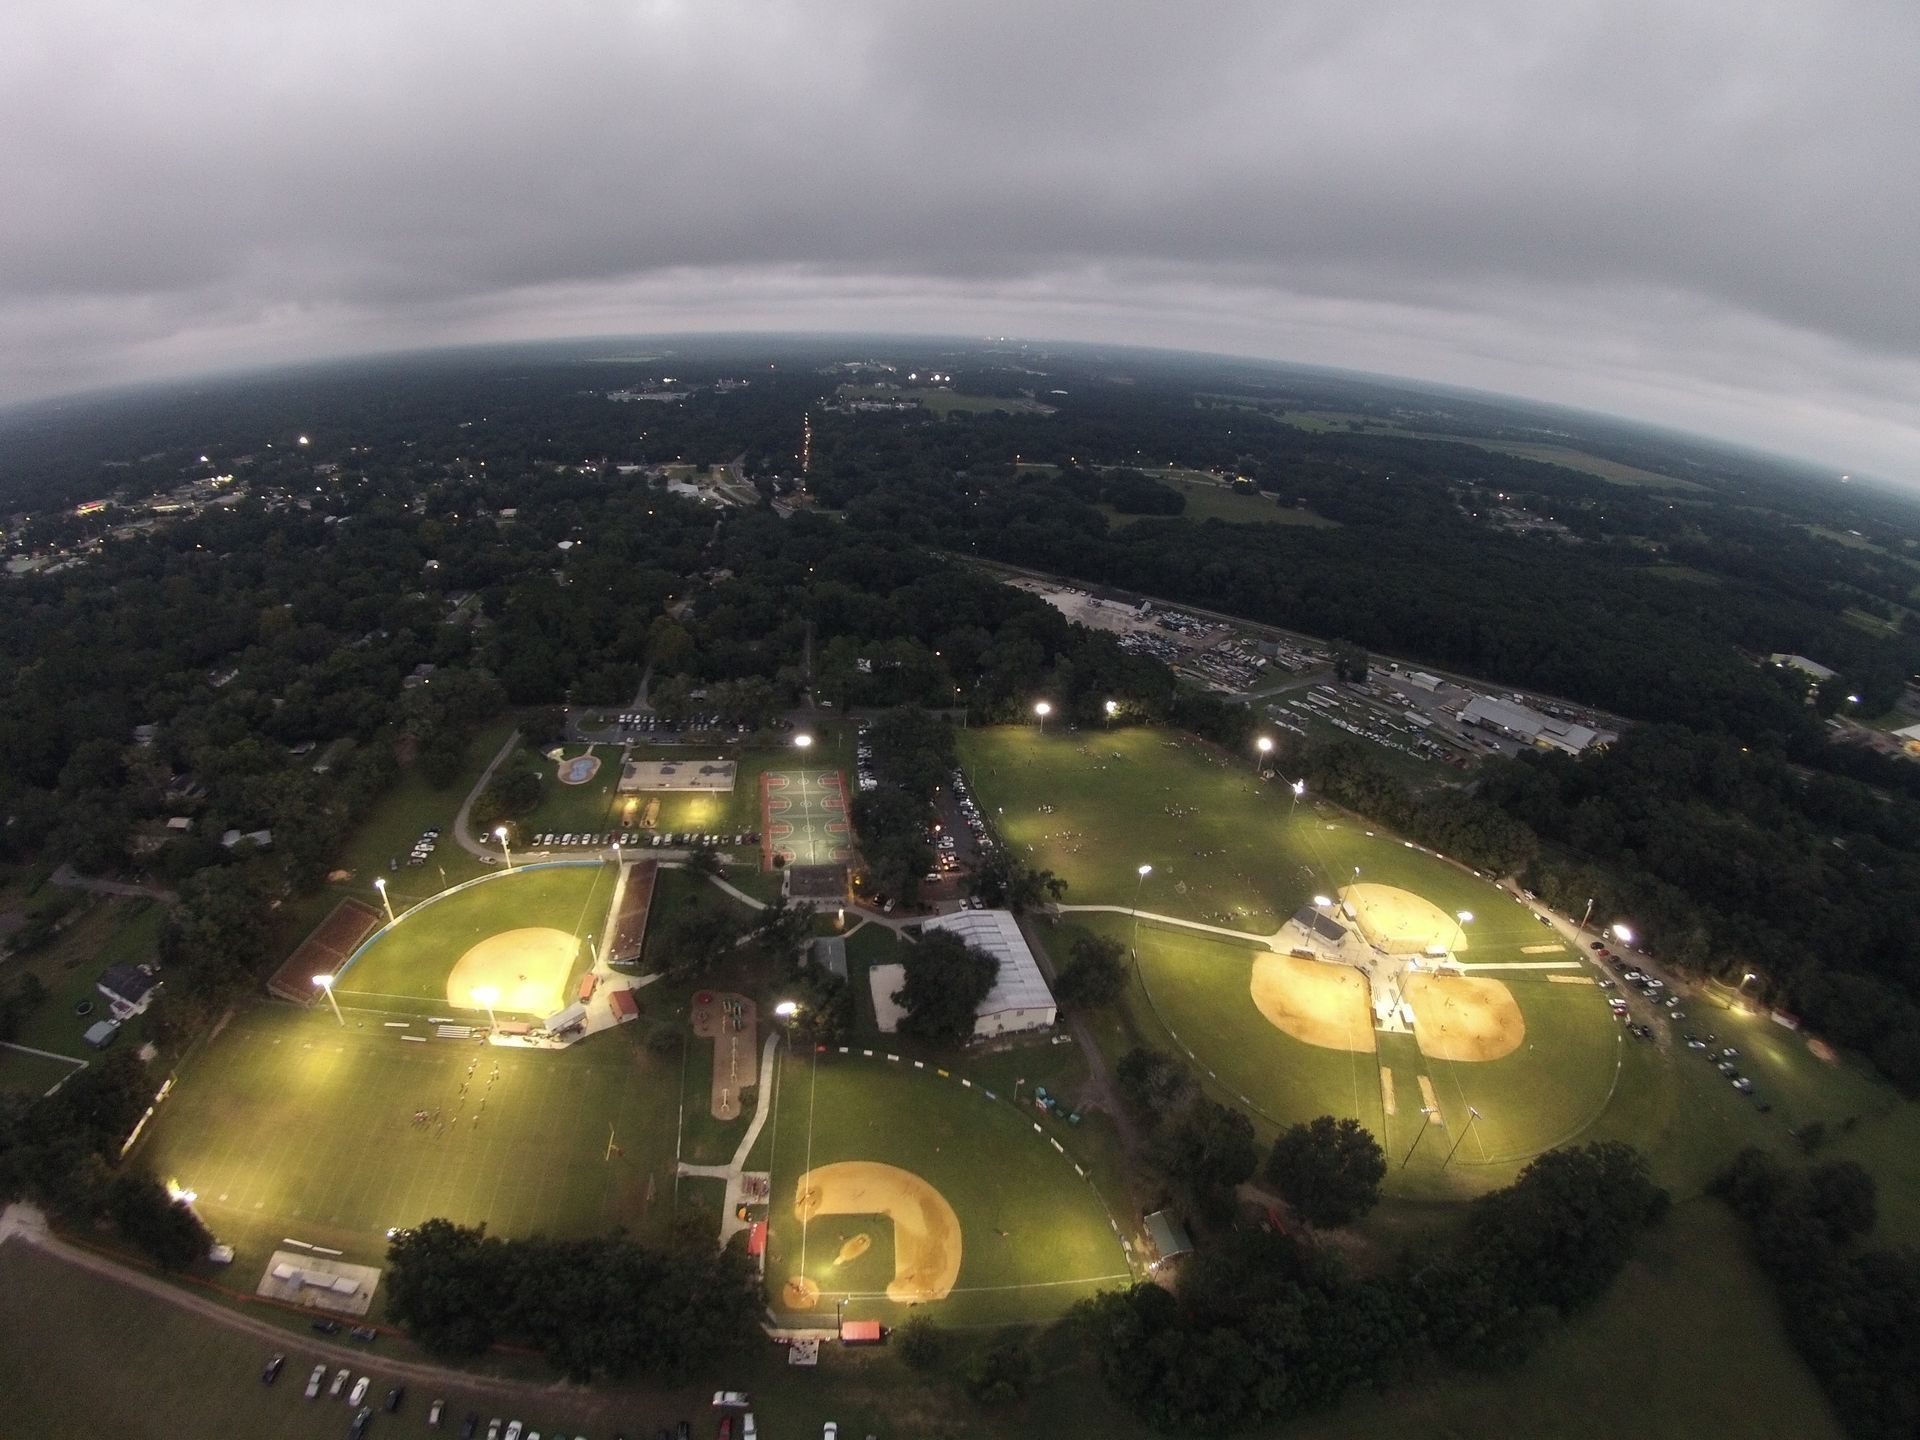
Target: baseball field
[(524, 934), (1511, 1055), (895, 1186)]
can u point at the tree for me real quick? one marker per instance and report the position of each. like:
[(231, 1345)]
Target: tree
[(1095, 975), (922, 1343), (946, 979), (145, 1214), (1202, 1154), (1000, 1374), (1327, 1170)]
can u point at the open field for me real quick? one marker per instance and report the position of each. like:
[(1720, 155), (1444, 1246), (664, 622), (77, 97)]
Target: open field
[(288, 1124), (27, 1074), (408, 965), (1571, 459), (1210, 500), (1033, 1235)]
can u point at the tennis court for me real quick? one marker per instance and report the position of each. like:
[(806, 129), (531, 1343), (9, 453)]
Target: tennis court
[(804, 817)]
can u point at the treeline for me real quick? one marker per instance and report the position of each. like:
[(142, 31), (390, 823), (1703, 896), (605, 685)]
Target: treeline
[(59, 1152), (1853, 1313), (599, 1309), (1264, 1328)]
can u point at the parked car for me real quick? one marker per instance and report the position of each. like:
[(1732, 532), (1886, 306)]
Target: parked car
[(433, 1414), (316, 1380), (272, 1371), (394, 1396), (359, 1390), (327, 1327), (730, 1400), (360, 1423), (339, 1381)]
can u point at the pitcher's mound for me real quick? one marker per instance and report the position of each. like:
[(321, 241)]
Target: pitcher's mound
[(1464, 1017), (1314, 1001), (1400, 922), (528, 967), (853, 1250)]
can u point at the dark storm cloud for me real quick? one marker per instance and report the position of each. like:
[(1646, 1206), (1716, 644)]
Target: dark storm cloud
[(1696, 212)]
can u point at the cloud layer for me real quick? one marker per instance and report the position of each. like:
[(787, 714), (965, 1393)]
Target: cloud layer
[(1695, 212)]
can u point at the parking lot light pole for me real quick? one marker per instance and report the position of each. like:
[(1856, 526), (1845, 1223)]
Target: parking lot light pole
[(500, 834), (1112, 708), (325, 982), (380, 884), (1043, 709), (1265, 746)]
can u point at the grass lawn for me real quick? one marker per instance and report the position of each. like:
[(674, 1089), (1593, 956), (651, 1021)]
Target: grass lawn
[(287, 1124), (30, 1075), (1209, 500), (407, 964), (1035, 1234), (409, 806), (99, 932)]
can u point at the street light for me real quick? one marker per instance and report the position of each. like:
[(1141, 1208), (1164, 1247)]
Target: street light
[(1113, 708), (325, 982), (1145, 870), (786, 1009), (1265, 746), (380, 884), (802, 741), (486, 995), (1043, 709), (500, 834), (1299, 788), (1623, 934)]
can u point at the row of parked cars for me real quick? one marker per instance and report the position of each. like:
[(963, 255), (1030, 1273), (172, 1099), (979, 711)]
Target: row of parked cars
[(424, 847), (639, 839), (863, 761), (641, 723), (970, 812)]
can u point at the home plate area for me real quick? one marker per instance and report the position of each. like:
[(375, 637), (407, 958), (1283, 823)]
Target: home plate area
[(804, 817)]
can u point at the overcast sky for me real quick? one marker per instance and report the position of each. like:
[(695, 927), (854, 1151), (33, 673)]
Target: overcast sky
[(1693, 212)]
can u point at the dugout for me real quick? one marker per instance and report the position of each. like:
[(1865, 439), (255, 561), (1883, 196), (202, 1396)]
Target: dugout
[(861, 1332)]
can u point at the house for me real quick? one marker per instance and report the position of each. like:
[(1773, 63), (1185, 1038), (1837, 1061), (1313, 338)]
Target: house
[(1813, 669), (180, 824), (129, 989), (262, 839), (422, 674)]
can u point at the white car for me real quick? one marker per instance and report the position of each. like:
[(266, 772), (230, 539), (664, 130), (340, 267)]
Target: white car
[(359, 1390), (513, 1430), (730, 1400), (339, 1382), (746, 1427), (315, 1380), (830, 1431)]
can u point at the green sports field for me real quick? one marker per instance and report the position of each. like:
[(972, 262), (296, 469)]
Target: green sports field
[(405, 966), (1035, 1236), (287, 1124)]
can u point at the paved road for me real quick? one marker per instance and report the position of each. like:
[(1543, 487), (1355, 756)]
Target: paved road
[(463, 821)]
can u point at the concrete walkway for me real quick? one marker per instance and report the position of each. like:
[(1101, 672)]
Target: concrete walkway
[(731, 1224), (1272, 942)]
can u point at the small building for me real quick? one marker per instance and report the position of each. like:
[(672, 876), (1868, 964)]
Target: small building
[(623, 1005), (861, 1332), (1813, 669), (1169, 1236), (1529, 726), (180, 824), (129, 989), (262, 839)]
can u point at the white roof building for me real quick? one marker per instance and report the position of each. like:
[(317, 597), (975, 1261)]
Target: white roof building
[(1020, 999), (1529, 725), (1803, 665)]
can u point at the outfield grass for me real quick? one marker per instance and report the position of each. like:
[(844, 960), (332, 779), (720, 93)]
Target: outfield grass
[(1210, 500), (406, 965), (1035, 1234), (286, 1123), (30, 1075)]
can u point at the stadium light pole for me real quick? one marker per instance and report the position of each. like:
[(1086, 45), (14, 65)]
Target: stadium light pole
[(802, 741), (1472, 1115), (486, 995), (1145, 870), (1112, 708), (1265, 746), (325, 982), (1043, 709), (1623, 934), (1581, 928), (380, 884), (500, 834), (1427, 1112), (1299, 788)]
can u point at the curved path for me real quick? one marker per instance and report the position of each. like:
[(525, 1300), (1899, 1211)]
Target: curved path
[(463, 821), (730, 1223)]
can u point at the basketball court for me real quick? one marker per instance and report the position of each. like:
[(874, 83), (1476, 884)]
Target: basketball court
[(804, 817)]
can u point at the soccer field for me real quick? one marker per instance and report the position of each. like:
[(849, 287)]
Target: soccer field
[(406, 966), (287, 1124), (1033, 1236)]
